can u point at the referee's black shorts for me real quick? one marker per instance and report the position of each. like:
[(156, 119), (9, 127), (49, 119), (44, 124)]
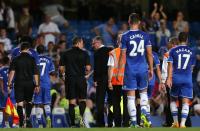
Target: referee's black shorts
[(24, 91), (76, 87)]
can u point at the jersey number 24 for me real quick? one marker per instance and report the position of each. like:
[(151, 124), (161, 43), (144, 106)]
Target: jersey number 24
[(137, 48)]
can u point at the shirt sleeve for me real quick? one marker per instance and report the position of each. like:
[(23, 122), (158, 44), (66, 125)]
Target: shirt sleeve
[(156, 59), (56, 29), (111, 61), (164, 69), (170, 59), (40, 29), (148, 42), (123, 42)]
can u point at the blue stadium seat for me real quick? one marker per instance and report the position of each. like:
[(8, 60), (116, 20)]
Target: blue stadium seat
[(59, 118), (34, 120), (195, 121), (156, 121)]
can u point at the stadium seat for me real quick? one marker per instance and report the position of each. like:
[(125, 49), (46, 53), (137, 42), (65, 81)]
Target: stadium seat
[(156, 121), (59, 118), (34, 120), (195, 121)]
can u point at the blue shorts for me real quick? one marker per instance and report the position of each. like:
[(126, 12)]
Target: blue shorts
[(3, 100), (135, 81), (44, 96), (184, 90), (150, 91)]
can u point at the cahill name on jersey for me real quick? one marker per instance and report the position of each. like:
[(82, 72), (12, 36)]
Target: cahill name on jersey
[(135, 43), (183, 58)]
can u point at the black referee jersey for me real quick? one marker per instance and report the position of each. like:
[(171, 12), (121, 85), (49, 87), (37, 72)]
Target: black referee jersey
[(74, 60)]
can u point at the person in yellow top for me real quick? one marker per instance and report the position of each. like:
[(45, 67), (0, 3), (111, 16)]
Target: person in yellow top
[(115, 83)]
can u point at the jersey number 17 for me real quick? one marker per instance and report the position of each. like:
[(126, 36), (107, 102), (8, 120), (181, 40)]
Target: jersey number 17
[(180, 56)]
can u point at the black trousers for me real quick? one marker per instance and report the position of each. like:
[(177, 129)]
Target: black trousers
[(116, 98), (101, 90)]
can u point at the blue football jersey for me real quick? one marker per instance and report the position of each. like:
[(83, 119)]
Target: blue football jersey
[(183, 58), (46, 67), (4, 76), (135, 42), (156, 62), (16, 52)]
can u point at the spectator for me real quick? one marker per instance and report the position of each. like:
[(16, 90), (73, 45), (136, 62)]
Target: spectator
[(162, 34), (62, 37), (123, 28), (108, 31), (196, 102), (39, 41), (5, 40), (2, 48), (155, 16), (180, 25), (25, 22), (49, 30), (54, 11), (10, 21), (2, 19)]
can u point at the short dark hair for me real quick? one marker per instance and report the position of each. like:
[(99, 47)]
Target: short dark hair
[(76, 39), (134, 18), (41, 49), (173, 40), (25, 45), (5, 60), (26, 38), (182, 37), (61, 42), (99, 38)]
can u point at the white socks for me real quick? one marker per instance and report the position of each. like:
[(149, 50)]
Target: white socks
[(131, 107), (1, 117), (144, 102), (184, 113), (47, 109), (174, 111)]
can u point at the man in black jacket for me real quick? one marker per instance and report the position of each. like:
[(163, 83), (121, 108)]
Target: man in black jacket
[(75, 64), (101, 79), (26, 81)]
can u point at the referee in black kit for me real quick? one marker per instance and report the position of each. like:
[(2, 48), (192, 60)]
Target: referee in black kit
[(75, 64), (26, 81)]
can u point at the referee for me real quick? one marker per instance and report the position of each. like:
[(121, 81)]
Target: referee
[(26, 81), (75, 63)]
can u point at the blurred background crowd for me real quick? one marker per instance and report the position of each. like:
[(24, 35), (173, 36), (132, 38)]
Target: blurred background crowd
[(54, 23)]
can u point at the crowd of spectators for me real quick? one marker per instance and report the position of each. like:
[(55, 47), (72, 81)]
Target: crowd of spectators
[(53, 33)]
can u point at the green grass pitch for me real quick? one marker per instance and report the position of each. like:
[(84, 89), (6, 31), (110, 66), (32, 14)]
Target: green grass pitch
[(102, 129)]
